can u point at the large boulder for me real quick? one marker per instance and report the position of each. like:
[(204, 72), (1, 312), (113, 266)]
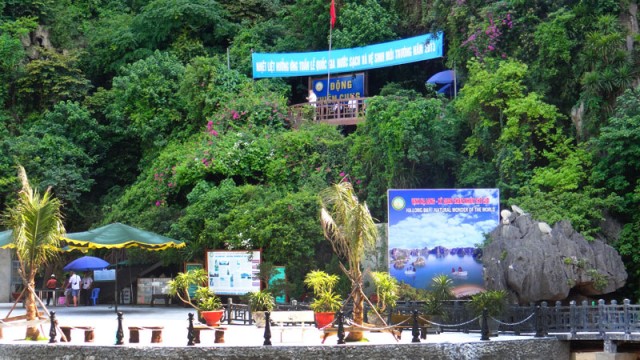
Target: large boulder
[(535, 262)]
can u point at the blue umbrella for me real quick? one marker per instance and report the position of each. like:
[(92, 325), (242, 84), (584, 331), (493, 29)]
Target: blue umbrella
[(443, 77), (86, 263)]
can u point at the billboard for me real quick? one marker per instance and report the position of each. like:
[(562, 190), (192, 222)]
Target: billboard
[(340, 87), (436, 231), (418, 48), (233, 272)]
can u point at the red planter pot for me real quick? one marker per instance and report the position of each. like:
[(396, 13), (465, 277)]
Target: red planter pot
[(324, 318), (212, 318)]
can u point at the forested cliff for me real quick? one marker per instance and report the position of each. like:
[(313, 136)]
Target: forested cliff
[(144, 112)]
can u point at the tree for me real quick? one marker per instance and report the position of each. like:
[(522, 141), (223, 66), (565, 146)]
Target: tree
[(362, 25), (405, 143), (36, 222), (349, 227)]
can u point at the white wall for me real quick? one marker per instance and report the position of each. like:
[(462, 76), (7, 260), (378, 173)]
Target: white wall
[(5, 275)]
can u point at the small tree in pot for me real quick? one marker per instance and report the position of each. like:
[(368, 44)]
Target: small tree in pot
[(326, 301), (494, 301), (259, 302), (207, 303), (387, 294)]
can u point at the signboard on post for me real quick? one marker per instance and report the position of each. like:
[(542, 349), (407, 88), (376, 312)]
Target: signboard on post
[(233, 272), (340, 86), (436, 231)]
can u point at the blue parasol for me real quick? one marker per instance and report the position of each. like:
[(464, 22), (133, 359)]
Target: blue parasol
[(86, 263)]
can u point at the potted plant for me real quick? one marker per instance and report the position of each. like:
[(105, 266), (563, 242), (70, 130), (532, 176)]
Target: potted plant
[(326, 301), (440, 292), (492, 300), (205, 301), (259, 302), (387, 295)]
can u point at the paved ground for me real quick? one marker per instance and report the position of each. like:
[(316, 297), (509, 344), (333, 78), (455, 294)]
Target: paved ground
[(175, 321)]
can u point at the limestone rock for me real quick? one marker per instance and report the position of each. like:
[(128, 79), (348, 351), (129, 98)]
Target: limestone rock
[(534, 265)]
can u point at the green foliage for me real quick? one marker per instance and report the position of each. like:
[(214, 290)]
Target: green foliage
[(262, 37), (386, 290), (361, 24), (322, 284), (110, 44), (508, 125), (599, 280), (492, 300), (145, 93), (407, 292), (617, 148), (261, 300), (204, 298), (161, 21), (51, 78), (440, 292), (404, 143)]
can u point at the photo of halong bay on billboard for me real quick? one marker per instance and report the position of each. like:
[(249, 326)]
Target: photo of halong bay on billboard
[(437, 231)]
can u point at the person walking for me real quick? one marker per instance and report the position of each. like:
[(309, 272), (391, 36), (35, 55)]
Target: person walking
[(52, 284), (75, 283), (87, 285)]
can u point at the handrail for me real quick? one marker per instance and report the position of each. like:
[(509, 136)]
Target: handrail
[(595, 317), (348, 111)]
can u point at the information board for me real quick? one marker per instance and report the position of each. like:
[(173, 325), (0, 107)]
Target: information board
[(233, 272)]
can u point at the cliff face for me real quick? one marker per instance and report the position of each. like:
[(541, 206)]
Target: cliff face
[(535, 262)]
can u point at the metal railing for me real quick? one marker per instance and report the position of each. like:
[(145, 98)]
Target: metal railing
[(348, 111), (585, 317)]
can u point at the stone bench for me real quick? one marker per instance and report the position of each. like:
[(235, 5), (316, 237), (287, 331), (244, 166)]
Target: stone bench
[(297, 320), (156, 333), (66, 330), (218, 333)]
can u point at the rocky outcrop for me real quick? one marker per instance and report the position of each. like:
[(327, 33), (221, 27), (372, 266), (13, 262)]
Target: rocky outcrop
[(535, 265)]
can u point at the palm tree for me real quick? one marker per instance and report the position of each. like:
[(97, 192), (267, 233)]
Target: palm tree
[(37, 226), (348, 225)]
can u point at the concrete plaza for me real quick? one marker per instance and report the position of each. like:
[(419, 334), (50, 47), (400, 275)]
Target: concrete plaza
[(175, 322)]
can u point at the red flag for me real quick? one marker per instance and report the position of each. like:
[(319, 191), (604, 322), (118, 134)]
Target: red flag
[(332, 12)]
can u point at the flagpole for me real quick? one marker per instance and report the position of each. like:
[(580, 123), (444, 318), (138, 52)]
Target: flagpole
[(332, 22), (329, 59)]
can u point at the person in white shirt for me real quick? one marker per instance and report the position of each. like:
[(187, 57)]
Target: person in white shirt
[(312, 100), (87, 285), (75, 282)]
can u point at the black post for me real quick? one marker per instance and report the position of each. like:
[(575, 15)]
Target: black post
[(267, 328), (229, 305), (485, 325), (190, 335), (52, 329), (414, 330), (538, 322), (340, 328), (119, 333), (115, 301)]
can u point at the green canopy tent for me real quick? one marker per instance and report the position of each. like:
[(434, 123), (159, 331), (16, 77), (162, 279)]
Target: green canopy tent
[(120, 236)]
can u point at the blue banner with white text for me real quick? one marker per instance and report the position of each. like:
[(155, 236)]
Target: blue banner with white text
[(418, 48)]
